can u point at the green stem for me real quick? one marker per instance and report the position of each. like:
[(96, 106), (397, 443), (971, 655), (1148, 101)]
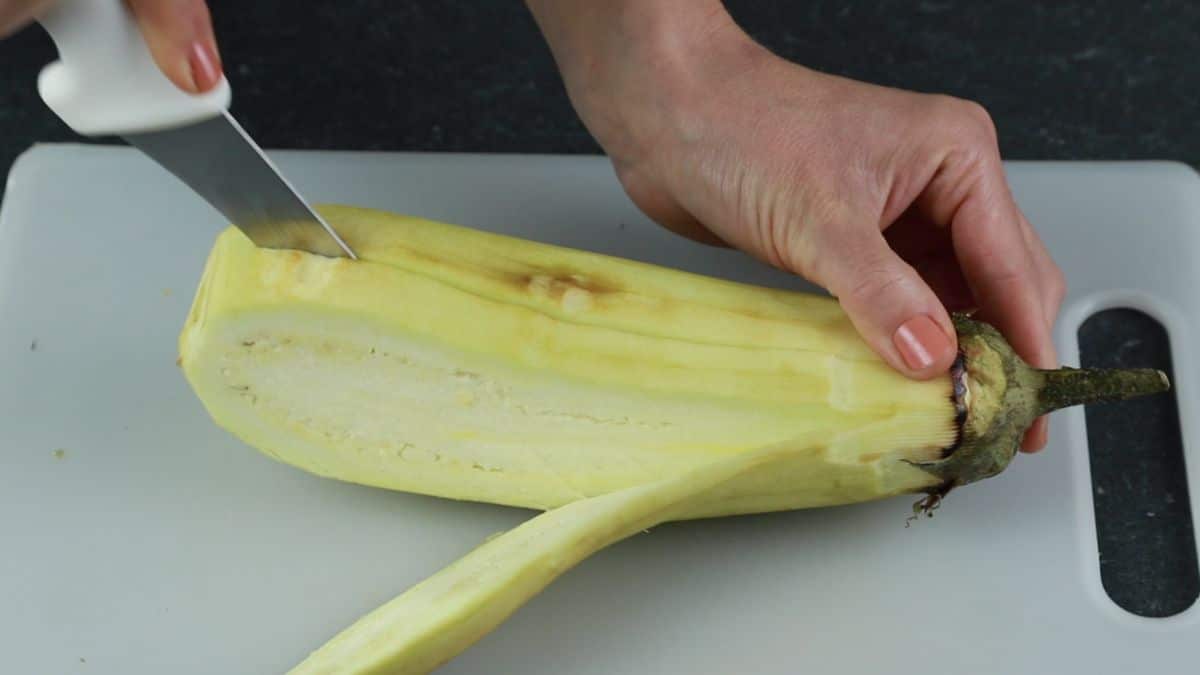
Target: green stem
[(1070, 386)]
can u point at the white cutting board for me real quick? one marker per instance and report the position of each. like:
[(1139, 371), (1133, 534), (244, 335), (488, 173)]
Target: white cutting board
[(156, 543)]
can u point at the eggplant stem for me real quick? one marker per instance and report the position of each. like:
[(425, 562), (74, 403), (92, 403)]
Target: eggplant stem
[(1066, 387)]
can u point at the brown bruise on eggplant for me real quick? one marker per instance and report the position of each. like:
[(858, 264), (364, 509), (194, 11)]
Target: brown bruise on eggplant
[(998, 396)]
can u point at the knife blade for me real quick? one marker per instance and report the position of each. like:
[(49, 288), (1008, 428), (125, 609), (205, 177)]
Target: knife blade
[(106, 83), (219, 160)]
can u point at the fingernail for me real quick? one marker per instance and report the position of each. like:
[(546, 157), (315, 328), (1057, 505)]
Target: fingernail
[(920, 342), (205, 71)]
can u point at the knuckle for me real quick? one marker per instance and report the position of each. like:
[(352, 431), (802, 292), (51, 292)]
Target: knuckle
[(1006, 278), (790, 248), (980, 118), (799, 232), (874, 282), (968, 119), (978, 121)]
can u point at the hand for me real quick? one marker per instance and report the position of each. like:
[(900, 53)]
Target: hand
[(178, 32), (896, 202)]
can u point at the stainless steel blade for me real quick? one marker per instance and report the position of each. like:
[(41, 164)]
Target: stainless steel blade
[(218, 160)]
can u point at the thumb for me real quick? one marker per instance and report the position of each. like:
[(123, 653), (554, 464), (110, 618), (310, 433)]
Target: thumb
[(180, 36), (891, 306)]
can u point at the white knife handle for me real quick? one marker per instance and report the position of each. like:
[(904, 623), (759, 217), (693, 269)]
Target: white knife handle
[(106, 82)]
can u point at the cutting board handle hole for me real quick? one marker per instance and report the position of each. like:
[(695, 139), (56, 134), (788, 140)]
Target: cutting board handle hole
[(1144, 524)]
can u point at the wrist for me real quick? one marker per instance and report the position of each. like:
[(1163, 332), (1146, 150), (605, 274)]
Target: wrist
[(635, 68)]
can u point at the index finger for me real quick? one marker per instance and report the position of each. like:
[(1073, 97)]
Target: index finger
[(180, 36), (999, 266)]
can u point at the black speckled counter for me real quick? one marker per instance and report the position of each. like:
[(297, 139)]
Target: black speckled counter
[(1111, 79), (1064, 80)]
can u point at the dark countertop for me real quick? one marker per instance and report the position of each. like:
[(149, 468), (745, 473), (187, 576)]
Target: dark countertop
[(1109, 79), (1113, 79)]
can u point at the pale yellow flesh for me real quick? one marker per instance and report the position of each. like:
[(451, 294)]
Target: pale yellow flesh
[(440, 617), (467, 365)]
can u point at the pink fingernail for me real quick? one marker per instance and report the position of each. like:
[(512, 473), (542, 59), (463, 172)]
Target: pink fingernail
[(205, 71), (920, 342)]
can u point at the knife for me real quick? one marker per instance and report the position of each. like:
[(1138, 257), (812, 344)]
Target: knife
[(106, 83)]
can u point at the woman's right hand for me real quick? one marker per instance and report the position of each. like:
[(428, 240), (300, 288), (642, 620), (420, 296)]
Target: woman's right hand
[(896, 202), (178, 32)]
